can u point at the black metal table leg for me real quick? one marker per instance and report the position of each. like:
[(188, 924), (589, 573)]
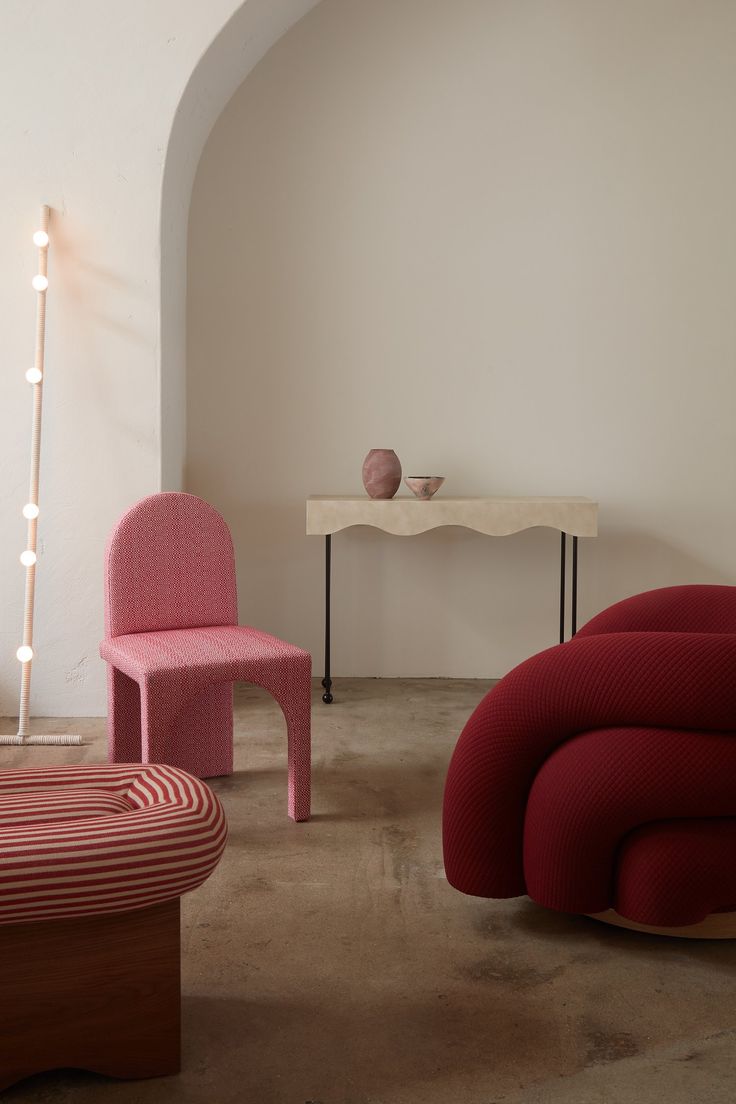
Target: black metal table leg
[(327, 681), (574, 627), (562, 586)]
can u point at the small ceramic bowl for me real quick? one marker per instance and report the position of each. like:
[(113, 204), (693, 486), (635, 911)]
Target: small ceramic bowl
[(424, 486)]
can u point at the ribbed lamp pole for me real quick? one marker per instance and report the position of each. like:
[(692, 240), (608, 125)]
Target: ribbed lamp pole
[(35, 377)]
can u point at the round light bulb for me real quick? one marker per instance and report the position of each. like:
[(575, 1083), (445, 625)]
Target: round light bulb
[(40, 282), (28, 558), (34, 375), (25, 653), (41, 239), (30, 511)]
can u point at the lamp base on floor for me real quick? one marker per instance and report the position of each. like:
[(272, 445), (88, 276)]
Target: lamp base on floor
[(31, 741)]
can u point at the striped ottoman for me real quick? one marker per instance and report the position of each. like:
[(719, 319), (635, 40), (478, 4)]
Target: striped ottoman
[(93, 860)]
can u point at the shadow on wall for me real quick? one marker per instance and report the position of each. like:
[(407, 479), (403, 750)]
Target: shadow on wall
[(618, 555), (403, 606), (281, 584), (113, 304), (500, 297)]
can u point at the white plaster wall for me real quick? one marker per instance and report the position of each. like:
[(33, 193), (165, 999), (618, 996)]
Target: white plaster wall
[(246, 36), (499, 238), (90, 92)]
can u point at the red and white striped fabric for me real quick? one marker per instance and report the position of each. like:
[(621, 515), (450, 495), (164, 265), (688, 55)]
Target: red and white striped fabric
[(92, 839)]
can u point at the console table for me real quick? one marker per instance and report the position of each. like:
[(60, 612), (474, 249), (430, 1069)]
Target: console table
[(496, 517)]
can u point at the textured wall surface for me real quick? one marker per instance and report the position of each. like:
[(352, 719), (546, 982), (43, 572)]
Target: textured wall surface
[(576, 337), (500, 239), (98, 99)]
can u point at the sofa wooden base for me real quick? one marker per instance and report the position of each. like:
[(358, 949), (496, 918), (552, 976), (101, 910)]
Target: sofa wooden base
[(98, 993), (719, 925)]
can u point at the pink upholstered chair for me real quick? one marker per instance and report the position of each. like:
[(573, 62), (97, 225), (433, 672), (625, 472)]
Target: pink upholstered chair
[(174, 647)]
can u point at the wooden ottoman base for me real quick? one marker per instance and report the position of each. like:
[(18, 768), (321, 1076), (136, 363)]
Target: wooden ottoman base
[(719, 925), (99, 993)]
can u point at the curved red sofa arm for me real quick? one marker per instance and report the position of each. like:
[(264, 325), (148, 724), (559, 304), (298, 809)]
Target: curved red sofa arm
[(698, 608), (601, 791), (669, 680)]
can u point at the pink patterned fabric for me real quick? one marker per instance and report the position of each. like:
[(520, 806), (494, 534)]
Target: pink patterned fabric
[(93, 839), (174, 648), (169, 564)]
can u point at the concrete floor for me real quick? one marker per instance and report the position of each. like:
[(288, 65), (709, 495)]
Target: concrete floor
[(331, 963)]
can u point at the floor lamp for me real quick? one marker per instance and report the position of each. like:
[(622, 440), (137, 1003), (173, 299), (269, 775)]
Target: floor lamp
[(34, 376)]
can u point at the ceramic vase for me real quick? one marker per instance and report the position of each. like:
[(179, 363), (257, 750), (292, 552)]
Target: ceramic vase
[(381, 473)]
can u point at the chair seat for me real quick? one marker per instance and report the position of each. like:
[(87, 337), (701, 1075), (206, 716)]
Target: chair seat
[(224, 653)]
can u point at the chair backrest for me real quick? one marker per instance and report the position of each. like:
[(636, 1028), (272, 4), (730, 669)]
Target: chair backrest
[(169, 564)]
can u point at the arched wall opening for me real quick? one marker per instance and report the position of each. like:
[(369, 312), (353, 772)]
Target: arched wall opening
[(114, 157), (249, 32), (447, 229)]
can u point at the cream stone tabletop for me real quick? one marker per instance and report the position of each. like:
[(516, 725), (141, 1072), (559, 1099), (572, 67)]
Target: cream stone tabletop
[(405, 516)]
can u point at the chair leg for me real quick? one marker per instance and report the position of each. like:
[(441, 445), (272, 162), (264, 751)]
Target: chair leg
[(196, 737), (123, 718), (293, 691), (99, 993), (203, 733)]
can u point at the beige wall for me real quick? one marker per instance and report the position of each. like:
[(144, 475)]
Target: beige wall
[(105, 111), (501, 239)]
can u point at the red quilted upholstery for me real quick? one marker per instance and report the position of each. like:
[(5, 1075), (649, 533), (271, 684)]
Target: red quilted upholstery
[(563, 764), (676, 872), (169, 564), (709, 609), (174, 647)]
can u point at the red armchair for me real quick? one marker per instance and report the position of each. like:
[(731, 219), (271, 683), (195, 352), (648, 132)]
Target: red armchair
[(600, 775)]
